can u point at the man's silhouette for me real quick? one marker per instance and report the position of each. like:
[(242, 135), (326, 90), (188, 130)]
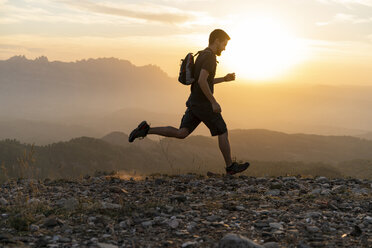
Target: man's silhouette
[(201, 105)]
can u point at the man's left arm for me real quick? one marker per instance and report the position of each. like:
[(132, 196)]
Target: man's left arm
[(227, 78)]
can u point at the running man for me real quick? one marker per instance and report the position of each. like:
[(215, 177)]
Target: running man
[(201, 105)]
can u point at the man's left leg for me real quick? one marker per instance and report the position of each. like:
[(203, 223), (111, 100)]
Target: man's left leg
[(231, 167), (224, 144), (217, 126)]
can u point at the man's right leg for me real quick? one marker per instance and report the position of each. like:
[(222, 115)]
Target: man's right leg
[(188, 124), (169, 131)]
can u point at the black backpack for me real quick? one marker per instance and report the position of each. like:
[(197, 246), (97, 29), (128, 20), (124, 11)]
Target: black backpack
[(186, 76)]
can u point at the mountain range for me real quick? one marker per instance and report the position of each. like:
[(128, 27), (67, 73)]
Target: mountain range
[(44, 101)]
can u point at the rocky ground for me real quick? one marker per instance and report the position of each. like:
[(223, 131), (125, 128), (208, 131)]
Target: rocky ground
[(186, 211)]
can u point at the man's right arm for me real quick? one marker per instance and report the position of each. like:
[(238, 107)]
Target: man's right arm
[(203, 83)]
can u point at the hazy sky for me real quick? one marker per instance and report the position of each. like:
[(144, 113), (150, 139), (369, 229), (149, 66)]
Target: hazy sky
[(318, 41)]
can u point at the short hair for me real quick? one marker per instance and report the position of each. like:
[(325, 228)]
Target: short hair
[(218, 34)]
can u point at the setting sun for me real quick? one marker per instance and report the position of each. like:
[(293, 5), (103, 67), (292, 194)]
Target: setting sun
[(261, 48)]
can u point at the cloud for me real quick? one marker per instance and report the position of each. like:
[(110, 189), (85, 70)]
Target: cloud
[(348, 2), (10, 47), (88, 12), (147, 12), (345, 18)]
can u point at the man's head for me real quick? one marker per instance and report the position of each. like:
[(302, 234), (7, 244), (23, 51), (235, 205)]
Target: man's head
[(218, 40)]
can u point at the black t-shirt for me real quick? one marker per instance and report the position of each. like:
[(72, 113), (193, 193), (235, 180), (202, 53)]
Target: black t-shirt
[(206, 60)]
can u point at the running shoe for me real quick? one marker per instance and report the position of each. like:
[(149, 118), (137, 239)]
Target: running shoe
[(140, 131), (236, 168)]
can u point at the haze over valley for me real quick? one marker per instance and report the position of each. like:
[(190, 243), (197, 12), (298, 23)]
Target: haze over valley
[(43, 102)]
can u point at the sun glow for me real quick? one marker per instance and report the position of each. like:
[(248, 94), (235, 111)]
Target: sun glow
[(262, 49)]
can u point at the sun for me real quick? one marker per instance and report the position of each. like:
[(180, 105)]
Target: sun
[(262, 49)]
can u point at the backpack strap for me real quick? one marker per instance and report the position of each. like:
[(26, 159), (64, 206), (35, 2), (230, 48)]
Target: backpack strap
[(208, 50)]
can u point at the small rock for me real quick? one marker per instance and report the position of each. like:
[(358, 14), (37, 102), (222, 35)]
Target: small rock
[(3, 202), (93, 240), (190, 227), (65, 240), (147, 224), (71, 203), (368, 219), (60, 202), (276, 225), (325, 192), (159, 181), (362, 191), (271, 245), (276, 185), (313, 215), (339, 188), (178, 198), (34, 228), (33, 200), (91, 219), (116, 189), (234, 241), (321, 180), (104, 245), (312, 229), (261, 224), (212, 218), (52, 245), (302, 245), (289, 179), (107, 205), (52, 222), (274, 192), (240, 208), (316, 191), (189, 244), (56, 238), (123, 224), (174, 223)]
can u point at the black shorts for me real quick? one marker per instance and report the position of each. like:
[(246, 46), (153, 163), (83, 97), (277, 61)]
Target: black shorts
[(214, 121)]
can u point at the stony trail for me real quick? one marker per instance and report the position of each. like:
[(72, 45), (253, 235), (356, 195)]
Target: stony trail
[(186, 211)]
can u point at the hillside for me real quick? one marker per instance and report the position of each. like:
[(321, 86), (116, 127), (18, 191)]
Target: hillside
[(42, 132), (271, 154)]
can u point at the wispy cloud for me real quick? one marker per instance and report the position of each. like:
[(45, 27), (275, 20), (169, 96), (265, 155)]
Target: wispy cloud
[(147, 12), (10, 47), (345, 18), (348, 2), (108, 12)]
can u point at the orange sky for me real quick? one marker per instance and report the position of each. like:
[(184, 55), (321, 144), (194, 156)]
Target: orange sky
[(313, 41)]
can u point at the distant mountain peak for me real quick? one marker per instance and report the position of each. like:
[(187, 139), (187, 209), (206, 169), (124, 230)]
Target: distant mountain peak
[(42, 59), (103, 62), (18, 58)]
